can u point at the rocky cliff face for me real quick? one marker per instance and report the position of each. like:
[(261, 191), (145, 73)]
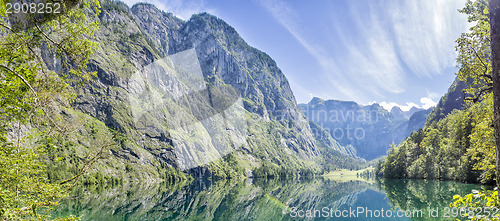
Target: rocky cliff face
[(193, 95), (369, 130), (417, 120), (453, 99)]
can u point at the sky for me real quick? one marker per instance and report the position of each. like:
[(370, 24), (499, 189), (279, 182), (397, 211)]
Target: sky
[(391, 52)]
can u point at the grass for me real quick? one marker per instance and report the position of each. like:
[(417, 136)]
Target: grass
[(344, 175)]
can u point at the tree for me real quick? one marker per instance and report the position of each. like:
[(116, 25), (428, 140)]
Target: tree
[(474, 51), (479, 59), (31, 95), (495, 58)]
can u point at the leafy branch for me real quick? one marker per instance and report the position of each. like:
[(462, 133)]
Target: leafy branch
[(20, 77)]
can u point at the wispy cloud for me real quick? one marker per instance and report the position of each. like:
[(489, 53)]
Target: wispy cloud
[(180, 8), (374, 60), (424, 32), (365, 50), (375, 69), (387, 44), (289, 19)]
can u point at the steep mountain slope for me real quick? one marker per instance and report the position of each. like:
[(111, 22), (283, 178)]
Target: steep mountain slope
[(369, 130), (453, 99), (412, 111), (193, 95), (417, 120), (458, 147), (457, 143)]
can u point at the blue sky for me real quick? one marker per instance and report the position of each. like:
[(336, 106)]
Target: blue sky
[(393, 52)]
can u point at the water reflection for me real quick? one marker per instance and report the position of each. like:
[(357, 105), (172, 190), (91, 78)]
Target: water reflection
[(431, 196), (315, 199)]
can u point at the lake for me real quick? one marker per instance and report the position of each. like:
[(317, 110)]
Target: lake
[(315, 199)]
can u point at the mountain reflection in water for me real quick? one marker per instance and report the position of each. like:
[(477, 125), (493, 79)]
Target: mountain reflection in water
[(315, 199)]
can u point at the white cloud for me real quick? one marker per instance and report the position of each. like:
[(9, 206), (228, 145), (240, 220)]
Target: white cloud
[(389, 105), (427, 102), (180, 8)]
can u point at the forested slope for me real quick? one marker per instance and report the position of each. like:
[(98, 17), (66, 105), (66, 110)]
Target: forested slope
[(458, 147), (456, 144)]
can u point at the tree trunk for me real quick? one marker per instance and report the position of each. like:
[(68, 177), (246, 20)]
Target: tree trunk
[(495, 58)]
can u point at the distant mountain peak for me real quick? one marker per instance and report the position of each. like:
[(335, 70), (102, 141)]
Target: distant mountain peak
[(415, 109), (396, 108), (397, 112), (369, 129), (376, 106), (316, 100)]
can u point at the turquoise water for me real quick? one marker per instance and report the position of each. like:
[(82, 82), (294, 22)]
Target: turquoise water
[(316, 199)]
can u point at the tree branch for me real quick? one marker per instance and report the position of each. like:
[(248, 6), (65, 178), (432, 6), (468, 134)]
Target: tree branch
[(486, 76), (20, 77), (477, 55), (476, 98), (5, 26), (58, 45), (484, 64)]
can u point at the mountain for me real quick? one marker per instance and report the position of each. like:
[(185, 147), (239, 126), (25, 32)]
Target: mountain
[(447, 147), (193, 96), (397, 113), (417, 120), (369, 130), (412, 111), (453, 99), (260, 200)]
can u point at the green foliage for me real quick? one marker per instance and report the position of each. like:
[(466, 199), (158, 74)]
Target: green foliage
[(174, 176), (229, 167), (395, 162), (482, 138), (459, 147), (24, 188), (474, 51), (272, 171), (479, 205), (334, 160), (113, 5), (30, 95), (367, 174)]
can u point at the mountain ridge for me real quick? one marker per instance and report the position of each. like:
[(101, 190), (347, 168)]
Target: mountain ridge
[(368, 129), (171, 124)]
